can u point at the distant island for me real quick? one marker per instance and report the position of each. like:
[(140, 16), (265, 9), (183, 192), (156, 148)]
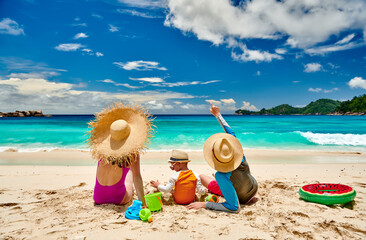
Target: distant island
[(356, 106), (31, 113)]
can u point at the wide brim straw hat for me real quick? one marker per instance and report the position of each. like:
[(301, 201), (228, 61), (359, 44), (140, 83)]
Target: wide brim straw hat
[(119, 132), (223, 152), (179, 156)]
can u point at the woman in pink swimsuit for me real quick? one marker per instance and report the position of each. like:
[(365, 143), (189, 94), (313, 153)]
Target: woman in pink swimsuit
[(118, 135), (115, 184)]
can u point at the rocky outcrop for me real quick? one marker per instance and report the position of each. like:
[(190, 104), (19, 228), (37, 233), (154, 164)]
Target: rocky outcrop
[(348, 113), (31, 113)]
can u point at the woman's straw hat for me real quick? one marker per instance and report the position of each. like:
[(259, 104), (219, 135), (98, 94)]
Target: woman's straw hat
[(223, 152), (118, 132), (179, 156)]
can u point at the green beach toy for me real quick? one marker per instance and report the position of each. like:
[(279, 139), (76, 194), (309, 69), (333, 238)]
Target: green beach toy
[(212, 198), (153, 201), (145, 215), (327, 193)]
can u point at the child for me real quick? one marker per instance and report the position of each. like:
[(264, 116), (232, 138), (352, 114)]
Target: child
[(184, 181)]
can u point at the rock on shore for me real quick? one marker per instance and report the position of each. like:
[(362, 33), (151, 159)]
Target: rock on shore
[(17, 113)]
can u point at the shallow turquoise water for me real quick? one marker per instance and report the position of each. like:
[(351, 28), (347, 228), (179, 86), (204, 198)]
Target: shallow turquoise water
[(331, 133)]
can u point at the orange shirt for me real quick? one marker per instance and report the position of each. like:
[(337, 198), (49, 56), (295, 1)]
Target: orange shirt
[(185, 184)]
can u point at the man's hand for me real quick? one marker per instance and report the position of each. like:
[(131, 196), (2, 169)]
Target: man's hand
[(196, 205), (214, 110), (155, 184)]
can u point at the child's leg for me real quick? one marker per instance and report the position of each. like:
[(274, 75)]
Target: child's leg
[(211, 184), (205, 180)]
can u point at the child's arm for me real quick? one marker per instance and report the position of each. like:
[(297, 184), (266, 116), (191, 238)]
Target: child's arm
[(199, 187), (169, 186)]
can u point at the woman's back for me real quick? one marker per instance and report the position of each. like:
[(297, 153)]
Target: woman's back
[(108, 174)]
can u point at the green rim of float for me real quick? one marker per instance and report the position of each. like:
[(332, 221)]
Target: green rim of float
[(327, 193)]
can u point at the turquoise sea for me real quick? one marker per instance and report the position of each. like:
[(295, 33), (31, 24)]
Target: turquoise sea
[(189, 132)]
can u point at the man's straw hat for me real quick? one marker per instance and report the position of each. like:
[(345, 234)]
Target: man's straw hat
[(118, 132), (179, 156), (223, 152)]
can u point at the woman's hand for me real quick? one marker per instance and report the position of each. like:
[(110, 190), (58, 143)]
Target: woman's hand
[(196, 205), (155, 184), (214, 110)]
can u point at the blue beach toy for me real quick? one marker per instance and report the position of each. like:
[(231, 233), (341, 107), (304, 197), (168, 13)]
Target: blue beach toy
[(133, 211)]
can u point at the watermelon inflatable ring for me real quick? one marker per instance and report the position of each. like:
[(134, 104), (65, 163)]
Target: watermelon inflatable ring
[(327, 193)]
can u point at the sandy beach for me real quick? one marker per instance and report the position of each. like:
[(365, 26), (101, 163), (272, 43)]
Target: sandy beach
[(49, 195)]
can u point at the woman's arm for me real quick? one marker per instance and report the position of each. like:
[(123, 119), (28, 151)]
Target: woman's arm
[(216, 112), (137, 179), (228, 191)]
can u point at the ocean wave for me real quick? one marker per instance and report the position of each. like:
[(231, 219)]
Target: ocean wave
[(338, 139), (36, 149)]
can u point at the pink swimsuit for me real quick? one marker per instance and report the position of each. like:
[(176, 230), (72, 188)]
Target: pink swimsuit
[(111, 194)]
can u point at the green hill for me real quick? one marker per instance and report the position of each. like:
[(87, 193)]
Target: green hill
[(322, 106), (319, 107), (356, 105)]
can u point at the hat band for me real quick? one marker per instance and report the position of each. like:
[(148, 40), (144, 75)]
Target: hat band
[(178, 159), (213, 152)]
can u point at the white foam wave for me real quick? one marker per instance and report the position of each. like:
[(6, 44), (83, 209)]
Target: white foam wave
[(335, 138)]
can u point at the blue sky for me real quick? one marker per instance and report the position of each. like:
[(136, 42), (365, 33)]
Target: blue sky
[(174, 56)]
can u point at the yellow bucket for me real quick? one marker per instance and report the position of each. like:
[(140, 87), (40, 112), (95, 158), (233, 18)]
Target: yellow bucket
[(153, 201)]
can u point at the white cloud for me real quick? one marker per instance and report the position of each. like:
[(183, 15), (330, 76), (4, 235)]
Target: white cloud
[(296, 81), (301, 23), (99, 54), (80, 35), (97, 16), (72, 47), (107, 81), (113, 28), (25, 65), (87, 50), (346, 39), (140, 65), (228, 101), (79, 25), (195, 107), (138, 13), (333, 48), (9, 26), (67, 47), (157, 105), (148, 4), (315, 90), (357, 82), (31, 86), (330, 90), (58, 97), (249, 107), (180, 84), (253, 55), (280, 51), (313, 67), (118, 84), (44, 74), (127, 85), (148, 79)]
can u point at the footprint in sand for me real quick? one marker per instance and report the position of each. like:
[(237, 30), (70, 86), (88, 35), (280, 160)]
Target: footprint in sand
[(8, 204)]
